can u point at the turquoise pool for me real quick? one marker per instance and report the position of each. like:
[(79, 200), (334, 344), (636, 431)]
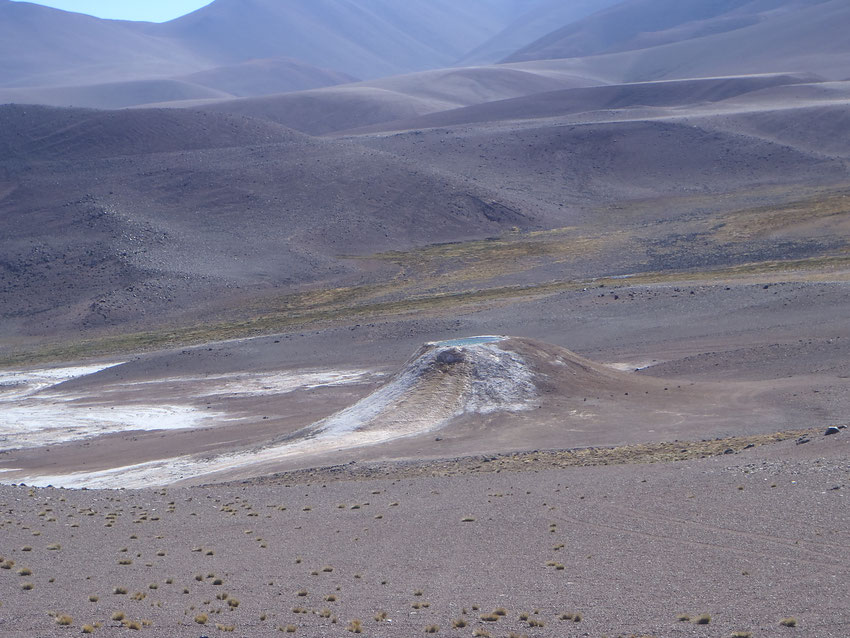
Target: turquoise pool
[(470, 341)]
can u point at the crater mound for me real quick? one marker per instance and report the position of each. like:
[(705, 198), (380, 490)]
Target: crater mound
[(477, 395)]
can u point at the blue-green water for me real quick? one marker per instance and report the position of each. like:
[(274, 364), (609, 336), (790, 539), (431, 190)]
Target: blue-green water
[(470, 341)]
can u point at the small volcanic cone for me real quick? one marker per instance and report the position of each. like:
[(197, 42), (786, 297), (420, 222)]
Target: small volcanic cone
[(442, 380)]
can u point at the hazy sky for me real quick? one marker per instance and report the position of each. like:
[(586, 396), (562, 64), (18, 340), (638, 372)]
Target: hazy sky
[(151, 10)]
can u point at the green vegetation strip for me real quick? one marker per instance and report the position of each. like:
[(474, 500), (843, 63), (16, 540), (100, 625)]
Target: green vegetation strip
[(637, 454), (340, 306)]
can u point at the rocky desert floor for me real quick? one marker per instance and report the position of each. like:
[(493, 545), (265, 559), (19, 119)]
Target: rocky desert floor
[(707, 546), (721, 521)]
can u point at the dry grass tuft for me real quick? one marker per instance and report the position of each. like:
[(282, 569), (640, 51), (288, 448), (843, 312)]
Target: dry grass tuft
[(788, 622), (432, 629), (459, 623), (201, 619), (64, 620), (355, 626)]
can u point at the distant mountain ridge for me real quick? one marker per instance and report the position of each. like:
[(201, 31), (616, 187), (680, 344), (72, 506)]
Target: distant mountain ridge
[(238, 47), (644, 40)]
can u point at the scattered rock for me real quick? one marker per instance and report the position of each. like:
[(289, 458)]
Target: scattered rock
[(728, 451), (803, 439)]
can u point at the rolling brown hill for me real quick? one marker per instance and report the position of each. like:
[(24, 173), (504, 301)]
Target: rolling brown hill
[(605, 99), (352, 106), (111, 216)]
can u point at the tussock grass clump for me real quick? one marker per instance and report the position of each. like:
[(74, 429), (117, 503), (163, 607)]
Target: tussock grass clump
[(432, 629), (458, 623), (233, 603), (381, 616), (501, 611), (64, 620), (24, 572), (118, 616), (481, 633), (788, 622), (489, 617), (93, 599), (27, 586), (201, 619), (226, 628), (87, 629), (355, 626), (533, 622), (703, 619), (683, 618), (742, 634)]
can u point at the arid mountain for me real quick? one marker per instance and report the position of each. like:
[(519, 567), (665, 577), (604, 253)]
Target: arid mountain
[(366, 38), (233, 47), (43, 47), (531, 26), (642, 40), (122, 220)]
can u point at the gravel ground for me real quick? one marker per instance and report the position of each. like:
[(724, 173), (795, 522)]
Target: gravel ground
[(749, 539)]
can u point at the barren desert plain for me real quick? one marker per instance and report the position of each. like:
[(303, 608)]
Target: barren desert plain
[(499, 319)]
